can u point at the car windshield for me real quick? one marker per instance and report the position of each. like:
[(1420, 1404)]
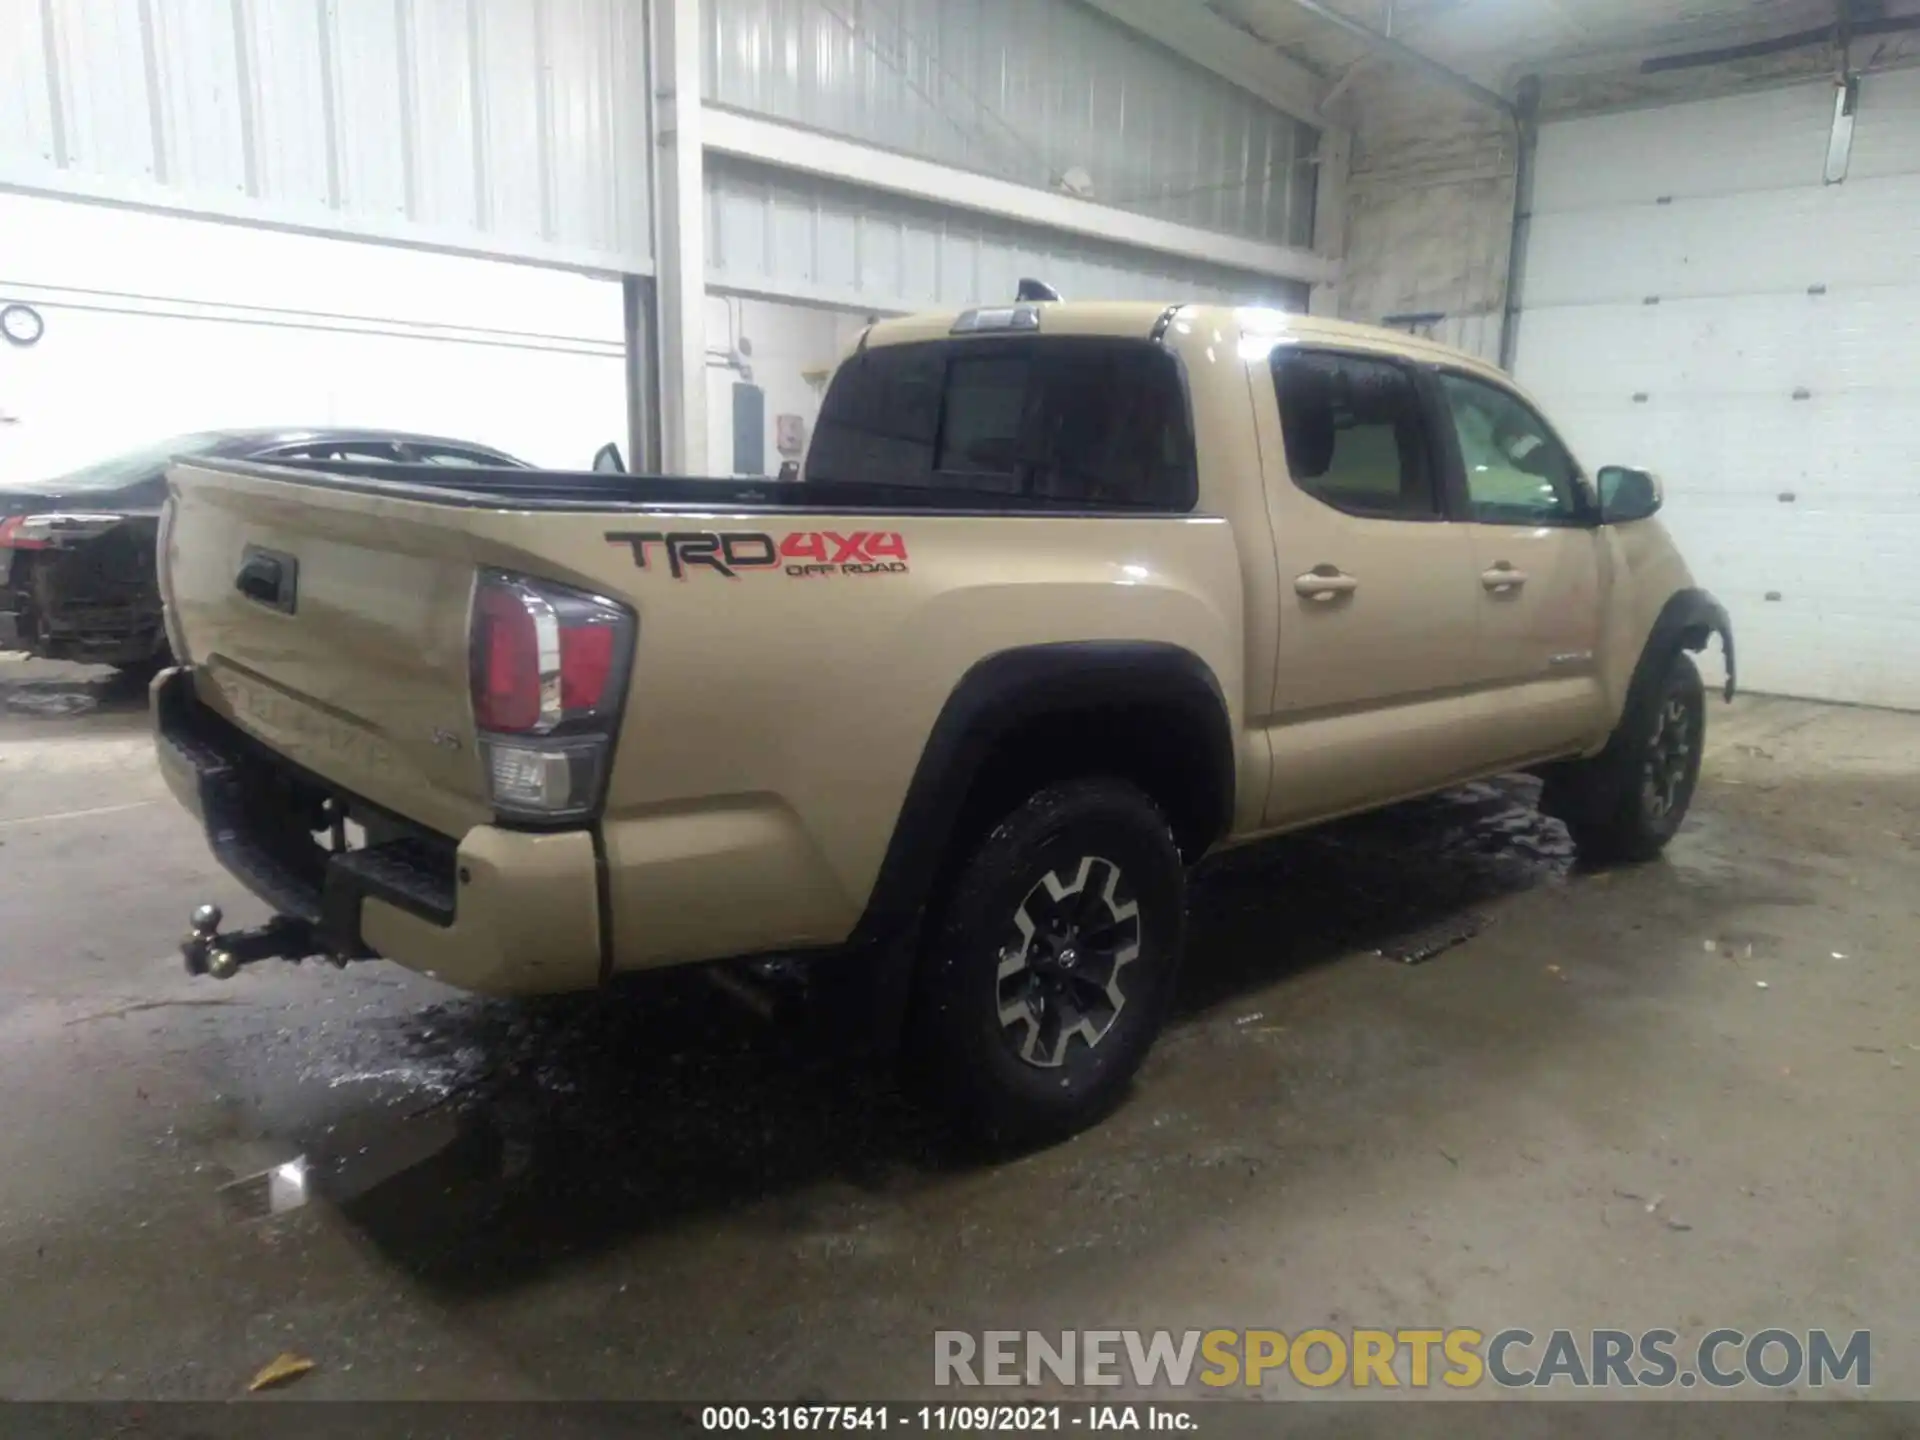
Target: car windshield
[(132, 465)]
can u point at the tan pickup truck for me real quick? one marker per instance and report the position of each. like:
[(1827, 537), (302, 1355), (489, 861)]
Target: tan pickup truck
[(1067, 596)]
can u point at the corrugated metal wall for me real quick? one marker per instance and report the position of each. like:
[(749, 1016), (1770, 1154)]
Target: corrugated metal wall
[(515, 127), (771, 232), (1024, 90)]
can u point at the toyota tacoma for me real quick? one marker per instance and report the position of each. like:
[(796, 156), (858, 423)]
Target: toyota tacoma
[(1066, 597)]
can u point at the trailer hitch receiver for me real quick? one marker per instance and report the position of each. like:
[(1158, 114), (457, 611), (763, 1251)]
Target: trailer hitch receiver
[(208, 952)]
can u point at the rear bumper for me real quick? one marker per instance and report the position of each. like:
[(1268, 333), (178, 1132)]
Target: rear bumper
[(499, 911), (89, 641)]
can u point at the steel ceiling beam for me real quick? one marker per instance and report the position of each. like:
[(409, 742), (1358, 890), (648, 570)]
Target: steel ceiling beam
[(1848, 28), (1192, 30), (1391, 48)]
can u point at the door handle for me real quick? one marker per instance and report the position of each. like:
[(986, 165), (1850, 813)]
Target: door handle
[(1503, 579), (1325, 583)]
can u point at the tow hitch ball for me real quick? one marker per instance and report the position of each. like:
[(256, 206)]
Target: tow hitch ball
[(208, 952)]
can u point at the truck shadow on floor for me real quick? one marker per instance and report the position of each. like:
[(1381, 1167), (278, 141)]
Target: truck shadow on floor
[(1403, 882), (571, 1126)]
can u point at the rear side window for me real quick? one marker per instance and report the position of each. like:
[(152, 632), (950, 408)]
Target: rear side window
[(1355, 435), (1066, 421)]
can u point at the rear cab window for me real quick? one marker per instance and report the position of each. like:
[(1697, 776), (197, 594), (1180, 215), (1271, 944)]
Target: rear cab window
[(1041, 421)]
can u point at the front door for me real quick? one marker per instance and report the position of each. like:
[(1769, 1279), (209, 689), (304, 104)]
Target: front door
[(1378, 591), (1536, 555)]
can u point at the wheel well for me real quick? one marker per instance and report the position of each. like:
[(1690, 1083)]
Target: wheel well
[(1166, 750), (1023, 719), (1692, 618)]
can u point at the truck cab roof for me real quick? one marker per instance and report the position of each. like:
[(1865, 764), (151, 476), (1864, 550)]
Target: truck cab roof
[(1146, 319)]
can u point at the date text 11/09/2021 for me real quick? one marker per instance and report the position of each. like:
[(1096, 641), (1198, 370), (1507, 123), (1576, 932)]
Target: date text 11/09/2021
[(964, 1419)]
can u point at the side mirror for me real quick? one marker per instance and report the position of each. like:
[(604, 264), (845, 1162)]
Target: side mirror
[(607, 461), (1627, 495), (789, 471)]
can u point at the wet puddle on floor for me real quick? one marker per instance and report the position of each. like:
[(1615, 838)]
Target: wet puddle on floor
[(478, 1141), (1409, 883)]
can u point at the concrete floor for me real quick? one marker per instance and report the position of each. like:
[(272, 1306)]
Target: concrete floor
[(651, 1198)]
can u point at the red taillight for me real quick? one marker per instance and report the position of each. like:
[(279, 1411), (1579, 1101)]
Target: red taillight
[(586, 665), (506, 665), (12, 539), (549, 669)]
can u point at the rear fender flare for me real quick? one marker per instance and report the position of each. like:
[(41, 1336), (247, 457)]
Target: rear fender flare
[(992, 702)]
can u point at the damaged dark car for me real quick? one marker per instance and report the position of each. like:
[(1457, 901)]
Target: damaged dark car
[(77, 574)]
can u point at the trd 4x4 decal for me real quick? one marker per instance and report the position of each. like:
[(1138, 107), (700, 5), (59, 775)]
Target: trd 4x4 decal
[(802, 554)]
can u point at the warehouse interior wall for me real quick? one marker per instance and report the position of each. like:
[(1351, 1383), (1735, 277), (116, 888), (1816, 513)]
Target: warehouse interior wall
[(774, 232), (1055, 96), (503, 128), (536, 132), (1427, 228), (1714, 292), (1429, 217), (786, 351), (158, 325)]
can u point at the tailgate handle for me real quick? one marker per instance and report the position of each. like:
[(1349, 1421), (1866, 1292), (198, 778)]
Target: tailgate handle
[(269, 578)]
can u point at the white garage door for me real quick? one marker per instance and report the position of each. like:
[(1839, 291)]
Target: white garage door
[(1698, 300), (157, 325)]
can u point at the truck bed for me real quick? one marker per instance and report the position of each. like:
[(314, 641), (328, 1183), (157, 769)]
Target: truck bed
[(358, 666)]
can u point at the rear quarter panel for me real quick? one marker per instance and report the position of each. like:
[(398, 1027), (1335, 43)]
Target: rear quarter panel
[(777, 718)]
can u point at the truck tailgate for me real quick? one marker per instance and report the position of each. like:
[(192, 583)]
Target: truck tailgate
[(332, 626)]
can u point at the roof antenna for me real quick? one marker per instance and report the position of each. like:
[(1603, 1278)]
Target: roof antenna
[(1036, 291)]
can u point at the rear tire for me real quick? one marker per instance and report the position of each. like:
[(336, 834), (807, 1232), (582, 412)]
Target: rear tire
[(1051, 964), (1626, 803), (139, 671)]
